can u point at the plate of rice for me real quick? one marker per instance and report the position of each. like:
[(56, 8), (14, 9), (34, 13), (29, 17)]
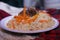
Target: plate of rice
[(40, 22)]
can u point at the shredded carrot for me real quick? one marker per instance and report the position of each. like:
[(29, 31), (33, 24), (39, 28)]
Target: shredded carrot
[(13, 26), (43, 21), (25, 17), (34, 17), (29, 21), (18, 19)]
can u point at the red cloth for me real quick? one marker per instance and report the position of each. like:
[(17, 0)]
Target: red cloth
[(3, 14), (50, 35)]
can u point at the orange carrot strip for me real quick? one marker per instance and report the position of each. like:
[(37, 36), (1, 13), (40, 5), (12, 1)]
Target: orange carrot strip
[(13, 26), (43, 21)]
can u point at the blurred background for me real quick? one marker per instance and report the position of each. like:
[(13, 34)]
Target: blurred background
[(16, 3), (14, 6), (37, 3)]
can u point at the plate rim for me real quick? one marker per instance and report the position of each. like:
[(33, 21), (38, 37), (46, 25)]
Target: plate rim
[(37, 31)]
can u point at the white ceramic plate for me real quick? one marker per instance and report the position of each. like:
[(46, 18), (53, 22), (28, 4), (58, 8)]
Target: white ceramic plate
[(5, 20)]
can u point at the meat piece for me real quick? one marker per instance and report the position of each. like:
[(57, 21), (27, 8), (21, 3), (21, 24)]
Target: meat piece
[(29, 11)]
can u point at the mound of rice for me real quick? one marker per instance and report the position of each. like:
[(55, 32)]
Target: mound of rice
[(43, 21)]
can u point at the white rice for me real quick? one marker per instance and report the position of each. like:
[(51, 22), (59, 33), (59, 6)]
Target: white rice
[(36, 25)]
